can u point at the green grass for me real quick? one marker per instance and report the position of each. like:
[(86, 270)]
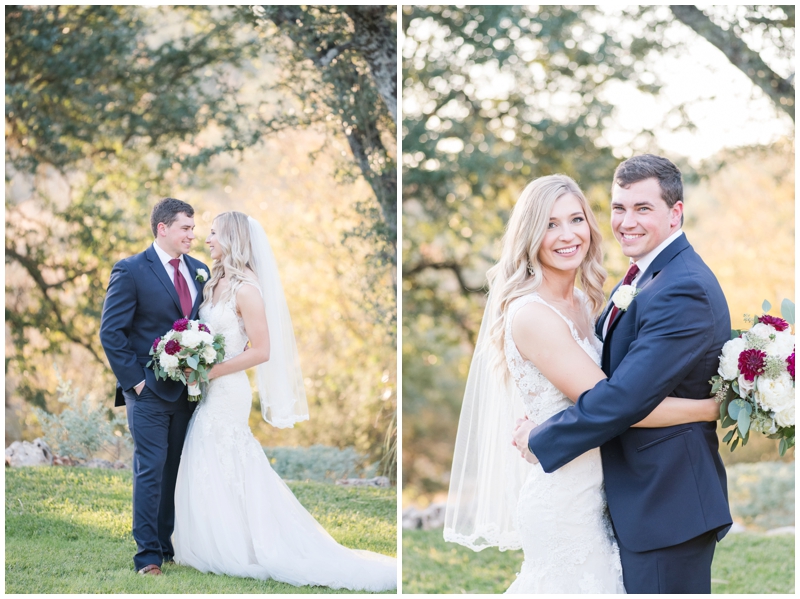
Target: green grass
[(743, 563), (68, 530)]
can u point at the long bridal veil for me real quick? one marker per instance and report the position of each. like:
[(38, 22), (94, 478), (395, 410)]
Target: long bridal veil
[(280, 379), (487, 471)]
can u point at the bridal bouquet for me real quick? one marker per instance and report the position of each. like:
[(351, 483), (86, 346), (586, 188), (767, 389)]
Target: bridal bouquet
[(190, 344), (755, 384)]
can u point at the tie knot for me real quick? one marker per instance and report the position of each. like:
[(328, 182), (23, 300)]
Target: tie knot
[(176, 262), (631, 274)]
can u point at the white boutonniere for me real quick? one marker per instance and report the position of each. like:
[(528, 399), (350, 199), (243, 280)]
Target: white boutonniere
[(201, 274), (623, 296)]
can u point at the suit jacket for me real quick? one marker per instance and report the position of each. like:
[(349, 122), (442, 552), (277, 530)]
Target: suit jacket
[(666, 485), (142, 304)]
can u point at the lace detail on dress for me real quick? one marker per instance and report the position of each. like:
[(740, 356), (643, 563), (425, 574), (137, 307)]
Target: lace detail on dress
[(562, 517)]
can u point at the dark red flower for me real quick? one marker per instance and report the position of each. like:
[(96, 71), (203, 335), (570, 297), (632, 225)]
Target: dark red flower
[(156, 342), (172, 347), (203, 328), (779, 324), (751, 363), (790, 365), (180, 325)]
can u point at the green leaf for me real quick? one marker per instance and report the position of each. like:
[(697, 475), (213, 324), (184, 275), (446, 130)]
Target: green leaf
[(735, 333), (743, 423), (787, 312), (723, 409), (734, 444), (727, 438), (734, 407), (735, 387), (766, 306), (782, 447), (192, 362), (716, 386)]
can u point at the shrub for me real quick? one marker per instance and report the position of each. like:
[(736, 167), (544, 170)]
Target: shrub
[(81, 431), (762, 494), (318, 463)]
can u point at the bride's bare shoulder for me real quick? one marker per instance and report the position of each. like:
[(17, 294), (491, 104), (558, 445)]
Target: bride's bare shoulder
[(538, 322)]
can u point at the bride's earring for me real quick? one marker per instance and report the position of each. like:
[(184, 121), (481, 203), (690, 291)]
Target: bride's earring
[(530, 269)]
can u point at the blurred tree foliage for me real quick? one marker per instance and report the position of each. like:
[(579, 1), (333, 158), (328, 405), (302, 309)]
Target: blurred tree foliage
[(340, 62), (495, 96)]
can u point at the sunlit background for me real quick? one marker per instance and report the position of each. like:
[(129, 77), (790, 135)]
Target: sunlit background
[(109, 109), (495, 96)]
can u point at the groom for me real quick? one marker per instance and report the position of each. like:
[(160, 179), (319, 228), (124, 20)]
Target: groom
[(666, 487), (147, 293)]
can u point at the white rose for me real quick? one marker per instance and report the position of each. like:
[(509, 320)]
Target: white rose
[(201, 274), (209, 353), (191, 338), (785, 417), (623, 296), (206, 338), (745, 386), (775, 394), (167, 361), (761, 330), (783, 345), (729, 360), (169, 336)]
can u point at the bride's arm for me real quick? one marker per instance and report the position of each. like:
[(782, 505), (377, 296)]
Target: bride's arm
[(543, 338), (251, 307)]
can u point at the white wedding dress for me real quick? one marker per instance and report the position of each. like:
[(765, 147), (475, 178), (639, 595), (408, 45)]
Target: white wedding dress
[(234, 515), (561, 517)]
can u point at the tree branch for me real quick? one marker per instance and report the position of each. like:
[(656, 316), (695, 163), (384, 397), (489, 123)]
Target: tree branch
[(780, 90)]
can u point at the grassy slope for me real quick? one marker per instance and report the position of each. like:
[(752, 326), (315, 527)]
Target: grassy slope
[(743, 563), (68, 531)]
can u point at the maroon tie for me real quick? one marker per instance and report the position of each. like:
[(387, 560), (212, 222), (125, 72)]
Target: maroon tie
[(182, 288), (629, 276)]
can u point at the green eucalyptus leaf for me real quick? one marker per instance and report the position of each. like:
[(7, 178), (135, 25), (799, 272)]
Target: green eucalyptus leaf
[(766, 306), (734, 444), (727, 438), (787, 311)]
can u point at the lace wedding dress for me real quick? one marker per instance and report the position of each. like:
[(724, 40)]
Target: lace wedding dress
[(561, 517), (233, 513)]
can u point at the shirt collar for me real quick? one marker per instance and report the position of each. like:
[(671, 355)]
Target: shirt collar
[(645, 262), (164, 256)]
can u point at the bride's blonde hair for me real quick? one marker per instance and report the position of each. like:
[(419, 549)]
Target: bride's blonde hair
[(519, 271), (233, 239)]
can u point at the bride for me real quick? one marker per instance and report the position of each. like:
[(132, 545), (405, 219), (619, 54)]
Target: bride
[(560, 520), (233, 514)]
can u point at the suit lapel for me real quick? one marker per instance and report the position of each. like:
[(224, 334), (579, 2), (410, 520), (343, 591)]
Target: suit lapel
[(161, 274), (198, 285), (598, 327), (664, 258)]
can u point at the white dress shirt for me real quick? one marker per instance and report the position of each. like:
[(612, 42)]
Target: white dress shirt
[(184, 268), (643, 264)]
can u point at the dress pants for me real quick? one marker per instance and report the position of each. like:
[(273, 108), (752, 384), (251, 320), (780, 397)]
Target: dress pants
[(683, 568), (158, 428)]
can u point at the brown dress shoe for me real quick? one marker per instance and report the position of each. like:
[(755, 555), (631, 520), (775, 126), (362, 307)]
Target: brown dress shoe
[(152, 570)]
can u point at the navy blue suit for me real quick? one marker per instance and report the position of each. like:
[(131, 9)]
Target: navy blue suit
[(142, 304), (666, 487)]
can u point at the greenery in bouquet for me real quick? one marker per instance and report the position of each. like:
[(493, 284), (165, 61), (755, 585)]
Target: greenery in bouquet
[(189, 344), (755, 386)]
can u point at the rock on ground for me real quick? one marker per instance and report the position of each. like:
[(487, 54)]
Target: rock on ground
[(25, 453), (378, 481)]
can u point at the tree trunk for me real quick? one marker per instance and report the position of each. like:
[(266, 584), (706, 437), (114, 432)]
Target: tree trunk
[(376, 39)]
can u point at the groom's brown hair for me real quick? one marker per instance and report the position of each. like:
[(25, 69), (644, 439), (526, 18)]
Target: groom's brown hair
[(648, 166), (166, 211)]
